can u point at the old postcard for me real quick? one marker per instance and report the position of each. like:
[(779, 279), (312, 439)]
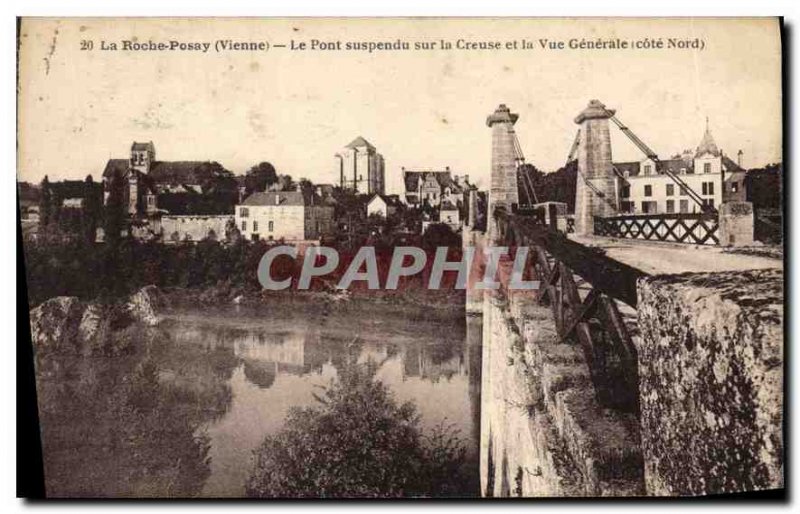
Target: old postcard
[(403, 257)]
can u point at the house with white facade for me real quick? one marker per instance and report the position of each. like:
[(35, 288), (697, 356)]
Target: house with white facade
[(382, 205), (645, 188), (450, 215), (286, 215)]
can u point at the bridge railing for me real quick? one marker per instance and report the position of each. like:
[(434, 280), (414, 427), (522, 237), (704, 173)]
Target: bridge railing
[(594, 321), (678, 227)]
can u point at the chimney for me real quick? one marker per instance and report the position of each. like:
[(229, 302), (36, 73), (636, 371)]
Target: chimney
[(739, 158), (466, 179), (277, 199)]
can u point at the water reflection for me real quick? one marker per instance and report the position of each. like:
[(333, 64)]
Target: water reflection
[(182, 416)]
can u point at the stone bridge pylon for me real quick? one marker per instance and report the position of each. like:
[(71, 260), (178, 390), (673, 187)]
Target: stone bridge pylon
[(596, 191), (503, 191)]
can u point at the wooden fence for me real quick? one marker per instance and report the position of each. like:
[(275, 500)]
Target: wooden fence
[(678, 228), (594, 321)]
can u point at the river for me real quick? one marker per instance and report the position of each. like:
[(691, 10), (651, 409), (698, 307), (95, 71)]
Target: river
[(182, 415)]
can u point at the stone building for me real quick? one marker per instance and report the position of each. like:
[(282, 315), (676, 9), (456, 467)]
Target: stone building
[(361, 168), (450, 215), (286, 215), (646, 189), (150, 186)]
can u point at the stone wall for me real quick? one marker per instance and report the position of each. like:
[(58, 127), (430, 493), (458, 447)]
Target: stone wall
[(736, 224), (543, 434), (318, 221), (193, 227), (711, 382)]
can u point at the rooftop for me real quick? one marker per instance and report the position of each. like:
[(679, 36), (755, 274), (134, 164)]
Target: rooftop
[(360, 142), (275, 198)]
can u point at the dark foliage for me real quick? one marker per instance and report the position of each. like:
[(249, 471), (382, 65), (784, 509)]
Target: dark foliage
[(90, 271), (260, 177), (357, 442), (440, 234), (558, 186), (764, 186)]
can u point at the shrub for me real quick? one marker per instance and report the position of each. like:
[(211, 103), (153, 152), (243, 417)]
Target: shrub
[(357, 442)]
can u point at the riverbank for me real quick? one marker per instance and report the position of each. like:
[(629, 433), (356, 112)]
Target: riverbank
[(417, 304)]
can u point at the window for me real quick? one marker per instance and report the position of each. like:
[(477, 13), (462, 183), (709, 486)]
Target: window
[(648, 169), (649, 207), (670, 206), (255, 226), (648, 190), (708, 188), (626, 192), (684, 206), (244, 212), (683, 191), (244, 226), (270, 226), (708, 201), (670, 190), (706, 167)]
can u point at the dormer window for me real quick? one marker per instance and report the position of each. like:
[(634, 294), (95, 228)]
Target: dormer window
[(648, 169), (706, 167)]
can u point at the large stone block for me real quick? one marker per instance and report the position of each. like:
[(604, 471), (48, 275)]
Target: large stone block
[(711, 382), (736, 222)]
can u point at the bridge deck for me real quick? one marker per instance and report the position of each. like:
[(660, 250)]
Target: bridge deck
[(667, 258)]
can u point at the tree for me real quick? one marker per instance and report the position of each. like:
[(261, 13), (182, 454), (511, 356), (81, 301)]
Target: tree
[(306, 187), (45, 207), (91, 209), (286, 183), (114, 212), (232, 233), (260, 177), (764, 186), (357, 442), (530, 176), (440, 234), (560, 185)]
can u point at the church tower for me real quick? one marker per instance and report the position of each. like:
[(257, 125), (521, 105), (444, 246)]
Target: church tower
[(142, 156)]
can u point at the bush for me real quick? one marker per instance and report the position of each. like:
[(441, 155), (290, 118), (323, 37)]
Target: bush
[(357, 442)]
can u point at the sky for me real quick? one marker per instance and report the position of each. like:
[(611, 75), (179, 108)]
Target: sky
[(420, 108)]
